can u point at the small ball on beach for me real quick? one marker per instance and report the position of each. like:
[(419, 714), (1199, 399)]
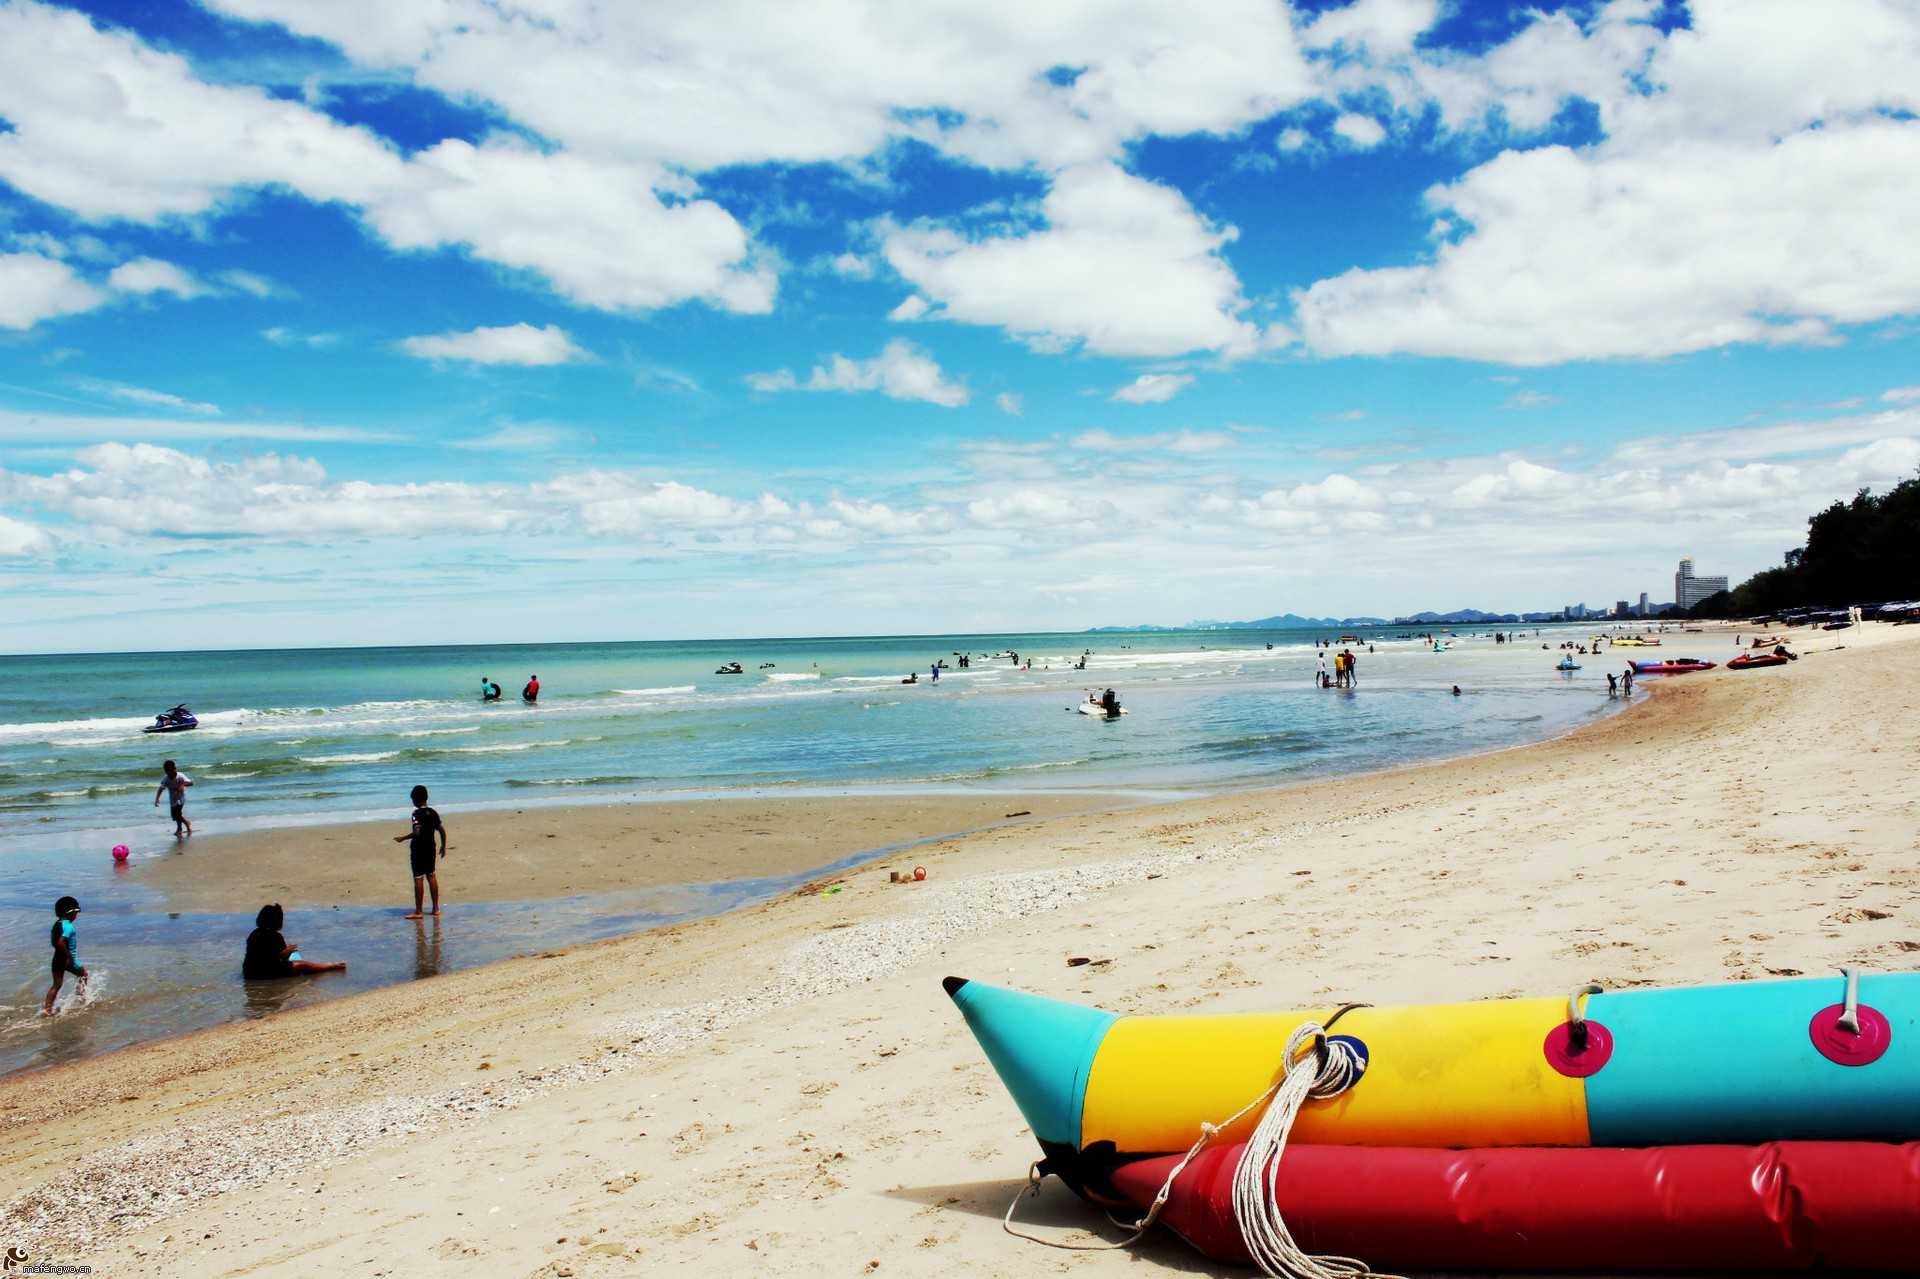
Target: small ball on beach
[(121, 852)]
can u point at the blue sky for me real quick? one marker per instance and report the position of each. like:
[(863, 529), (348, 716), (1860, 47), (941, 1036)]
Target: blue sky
[(404, 321)]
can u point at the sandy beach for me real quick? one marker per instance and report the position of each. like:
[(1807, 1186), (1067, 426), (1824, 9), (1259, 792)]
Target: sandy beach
[(786, 1090)]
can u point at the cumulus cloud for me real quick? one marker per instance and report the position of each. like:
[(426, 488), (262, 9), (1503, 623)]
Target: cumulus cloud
[(35, 288), (151, 275), (141, 139), (911, 308), (520, 344), (1153, 388), (1010, 403), (1901, 394), (18, 538), (902, 371), (1362, 132), (1123, 266), (1755, 171)]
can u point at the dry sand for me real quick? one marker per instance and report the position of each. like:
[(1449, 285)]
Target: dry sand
[(532, 853), (785, 1090)]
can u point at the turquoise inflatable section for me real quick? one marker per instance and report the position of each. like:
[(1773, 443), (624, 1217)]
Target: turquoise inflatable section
[(1028, 1039), (1734, 1063)]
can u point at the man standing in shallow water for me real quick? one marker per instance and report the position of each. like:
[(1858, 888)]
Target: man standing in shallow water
[(426, 824)]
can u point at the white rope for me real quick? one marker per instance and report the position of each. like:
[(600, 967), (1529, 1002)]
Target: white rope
[(1262, 1229), (1256, 1200)]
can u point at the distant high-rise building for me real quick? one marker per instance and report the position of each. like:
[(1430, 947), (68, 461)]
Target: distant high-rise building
[(1689, 590), (1643, 604), (1621, 608)]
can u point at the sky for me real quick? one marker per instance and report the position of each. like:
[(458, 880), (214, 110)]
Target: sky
[(437, 321)]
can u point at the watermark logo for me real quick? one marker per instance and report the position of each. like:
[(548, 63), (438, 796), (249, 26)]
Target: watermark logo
[(14, 1261)]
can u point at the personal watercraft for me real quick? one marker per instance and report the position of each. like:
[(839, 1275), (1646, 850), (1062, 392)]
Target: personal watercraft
[(177, 720)]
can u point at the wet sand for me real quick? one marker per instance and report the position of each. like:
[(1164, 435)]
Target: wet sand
[(786, 1090), (533, 853)]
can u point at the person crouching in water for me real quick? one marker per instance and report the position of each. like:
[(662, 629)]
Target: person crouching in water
[(66, 957), (270, 955)]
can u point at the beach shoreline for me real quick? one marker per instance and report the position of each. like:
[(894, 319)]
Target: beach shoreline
[(786, 1080), (548, 852)]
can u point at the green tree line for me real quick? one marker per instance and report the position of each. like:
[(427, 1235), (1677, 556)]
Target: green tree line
[(1866, 551)]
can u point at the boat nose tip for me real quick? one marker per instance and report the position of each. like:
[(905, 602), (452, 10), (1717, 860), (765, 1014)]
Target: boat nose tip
[(952, 985)]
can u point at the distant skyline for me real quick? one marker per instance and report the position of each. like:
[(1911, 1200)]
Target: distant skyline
[(424, 321)]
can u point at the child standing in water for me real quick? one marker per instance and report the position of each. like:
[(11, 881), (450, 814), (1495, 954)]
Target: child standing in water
[(173, 784), (426, 824), (66, 957)]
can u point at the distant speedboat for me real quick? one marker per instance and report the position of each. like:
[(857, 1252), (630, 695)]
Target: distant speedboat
[(177, 720)]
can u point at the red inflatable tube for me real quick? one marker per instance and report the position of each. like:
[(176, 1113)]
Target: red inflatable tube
[(1785, 1206)]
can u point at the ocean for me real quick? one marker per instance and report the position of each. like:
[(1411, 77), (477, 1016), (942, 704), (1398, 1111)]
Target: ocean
[(297, 736)]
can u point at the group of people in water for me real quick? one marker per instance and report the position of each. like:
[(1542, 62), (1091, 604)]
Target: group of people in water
[(268, 956), (1343, 669), (530, 693)]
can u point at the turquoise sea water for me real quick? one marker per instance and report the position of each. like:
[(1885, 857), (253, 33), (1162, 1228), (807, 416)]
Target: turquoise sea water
[(337, 734)]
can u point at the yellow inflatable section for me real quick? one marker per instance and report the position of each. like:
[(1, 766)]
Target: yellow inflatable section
[(1435, 1073)]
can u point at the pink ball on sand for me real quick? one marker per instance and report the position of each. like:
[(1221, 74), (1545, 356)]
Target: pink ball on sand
[(121, 852)]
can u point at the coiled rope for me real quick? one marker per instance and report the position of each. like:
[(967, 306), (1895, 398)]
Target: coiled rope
[(1336, 1066)]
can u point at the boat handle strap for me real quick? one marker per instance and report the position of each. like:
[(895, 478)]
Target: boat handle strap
[(1850, 1009), (1576, 1018)]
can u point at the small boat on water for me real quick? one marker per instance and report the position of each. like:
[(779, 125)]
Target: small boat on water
[(1567, 664), (177, 720), (1672, 666)]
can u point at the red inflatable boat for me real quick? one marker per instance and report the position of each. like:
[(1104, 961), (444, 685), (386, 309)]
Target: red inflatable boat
[(1796, 1205), (1747, 661)]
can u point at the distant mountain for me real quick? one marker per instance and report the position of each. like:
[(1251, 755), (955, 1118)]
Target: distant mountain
[(1287, 621), (1469, 615)]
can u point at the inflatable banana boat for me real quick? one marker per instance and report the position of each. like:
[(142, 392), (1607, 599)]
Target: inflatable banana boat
[(1536, 1098)]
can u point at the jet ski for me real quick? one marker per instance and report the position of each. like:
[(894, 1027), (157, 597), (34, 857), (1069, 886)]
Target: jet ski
[(731, 668), (177, 720)]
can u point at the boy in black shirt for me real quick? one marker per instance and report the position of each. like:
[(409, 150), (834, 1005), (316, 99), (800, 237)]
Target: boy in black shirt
[(426, 824)]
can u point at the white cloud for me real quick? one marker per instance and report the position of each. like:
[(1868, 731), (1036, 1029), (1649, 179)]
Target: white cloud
[(504, 344), (1530, 400), (151, 275), (911, 307), (1755, 175), (1292, 139), (1035, 508), (1362, 132), (151, 142), (1153, 388), (1010, 403), (35, 288), (1100, 441), (18, 538), (251, 283), (1336, 492), (65, 429), (853, 266), (840, 80), (1124, 267), (879, 517), (149, 398), (280, 335), (902, 371), (1901, 394), (521, 438), (596, 231), (1383, 28)]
